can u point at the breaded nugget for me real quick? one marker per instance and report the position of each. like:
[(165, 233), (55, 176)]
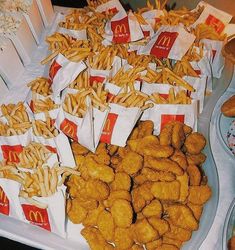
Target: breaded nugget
[(195, 143), (132, 163), (167, 247), (95, 239), (99, 171), (145, 128), (173, 242), (144, 191), (105, 224), (138, 201), (81, 167), (184, 186), (88, 204), (136, 247), (165, 136), (194, 175), (123, 151), (163, 164), (199, 194), (154, 208), (153, 244), (116, 159), (158, 151), (96, 189), (180, 158), (178, 136), (198, 159), (182, 216), (122, 181), (161, 225), (76, 186), (112, 149), (187, 129), (117, 194), (92, 216), (123, 238), (153, 175), (76, 212), (143, 232), (140, 179), (196, 209), (167, 191), (122, 213), (78, 149), (178, 233)]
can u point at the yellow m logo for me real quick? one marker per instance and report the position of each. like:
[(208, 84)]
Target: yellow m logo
[(107, 125), (68, 129), (164, 41), (35, 216), (12, 156), (120, 29)]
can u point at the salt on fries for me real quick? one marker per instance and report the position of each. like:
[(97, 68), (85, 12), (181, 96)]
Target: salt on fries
[(41, 85), (44, 129)]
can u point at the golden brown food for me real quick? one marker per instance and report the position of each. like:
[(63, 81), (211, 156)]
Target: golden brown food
[(78, 149), (165, 137), (172, 242), (123, 238), (161, 225), (92, 216), (178, 135), (76, 212), (152, 175), (228, 107), (167, 247), (199, 195), (195, 143), (105, 225), (132, 163), (198, 159), (184, 186), (178, 233), (153, 244), (196, 209), (122, 181), (180, 158), (154, 208), (194, 175), (231, 243), (117, 194)]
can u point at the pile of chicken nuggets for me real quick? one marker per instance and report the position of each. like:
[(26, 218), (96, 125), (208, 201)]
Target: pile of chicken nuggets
[(149, 193)]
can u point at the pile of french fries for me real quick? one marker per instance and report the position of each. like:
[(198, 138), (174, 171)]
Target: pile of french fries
[(45, 129), (40, 105), (41, 86)]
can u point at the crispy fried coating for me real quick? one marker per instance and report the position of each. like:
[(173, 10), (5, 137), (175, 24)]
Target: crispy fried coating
[(132, 163), (105, 224), (122, 213), (198, 159), (187, 130), (196, 209), (101, 154), (167, 191), (117, 194), (95, 239), (123, 238), (140, 179), (96, 189), (122, 181), (165, 246), (180, 158), (145, 128), (199, 195), (112, 149), (80, 159), (195, 143), (76, 212), (182, 216), (143, 232), (153, 244), (78, 149), (75, 184), (153, 175), (194, 175), (161, 225), (184, 186), (92, 216), (99, 171), (138, 201), (178, 136), (158, 151), (88, 204), (136, 247), (123, 151), (165, 136), (173, 242), (163, 164), (178, 233), (154, 208)]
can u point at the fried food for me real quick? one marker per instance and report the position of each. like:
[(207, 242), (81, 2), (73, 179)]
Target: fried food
[(145, 128), (105, 225), (162, 164), (122, 181), (132, 163), (165, 136), (122, 213), (196, 209), (178, 233), (76, 212), (154, 208), (143, 232), (182, 216), (117, 194), (173, 242), (197, 159), (92, 216), (195, 143), (167, 191), (153, 244), (96, 189), (153, 175), (123, 238), (199, 195), (228, 106), (78, 149), (161, 225), (178, 135), (184, 186), (180, 158), (194, 175), (167, 247)]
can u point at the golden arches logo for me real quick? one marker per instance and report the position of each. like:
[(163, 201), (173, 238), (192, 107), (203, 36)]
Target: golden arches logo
[(12, 156), (120, 28), (35, 216), (68, 129), (164, 41), (107, 126), (3, 197)]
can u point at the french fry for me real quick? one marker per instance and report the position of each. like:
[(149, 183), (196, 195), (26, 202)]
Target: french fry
[(46, 105), (44, 129), (41, 85)]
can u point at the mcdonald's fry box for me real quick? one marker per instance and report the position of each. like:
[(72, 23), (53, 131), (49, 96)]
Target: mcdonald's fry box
[(9, 62), (15, 27), (46, 11)]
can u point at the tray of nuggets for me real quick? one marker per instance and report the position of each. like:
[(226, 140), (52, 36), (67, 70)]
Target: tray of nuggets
[(147, 195)]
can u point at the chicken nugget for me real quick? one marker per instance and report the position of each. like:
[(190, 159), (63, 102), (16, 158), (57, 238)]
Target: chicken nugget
[(180, 158), (182, 216), (122, 181), (196, 209), (136, 247), (92, 216), (178, 233), (143, 232), (132, 163), (112, 149), (78, 149), (87, 203), (153, 244), (153, 175), (116, 160), (194, 175), (187, 129), (199, 194), (161, 225), (158, 151), (79, 159), (163, 164), (76, 186), (154, 208), (167, 247), (138, 201), (184, 186), (165, 136), (134, 134), (122, 213), (178, 136), (105, 224), (123, 238), (123, 151), (96, 189), (81, 167), (173, 242), (195, 143), (95, 239), (168, 191), (140, 179), (117, 194), (145, 128), (144, 191), (198, 159), (76, 212), (99, 171)]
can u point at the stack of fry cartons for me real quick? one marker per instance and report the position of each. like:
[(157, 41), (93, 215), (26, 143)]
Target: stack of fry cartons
[(46, 11)]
